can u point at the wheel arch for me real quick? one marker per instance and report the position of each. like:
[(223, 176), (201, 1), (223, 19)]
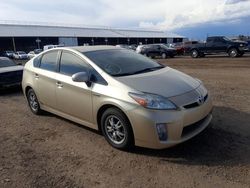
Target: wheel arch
[(103, 108), (231, 47)]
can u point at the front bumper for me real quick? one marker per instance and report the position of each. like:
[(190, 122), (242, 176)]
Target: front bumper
[(244, 49), (181, 125)]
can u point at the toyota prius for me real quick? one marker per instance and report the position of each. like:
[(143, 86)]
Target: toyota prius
[(130, 98)]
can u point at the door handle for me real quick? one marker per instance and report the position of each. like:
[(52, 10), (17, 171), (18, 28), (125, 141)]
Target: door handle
[(36, 76), (59, 84)]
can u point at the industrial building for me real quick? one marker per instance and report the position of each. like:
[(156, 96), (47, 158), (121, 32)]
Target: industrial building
[(29, 36)]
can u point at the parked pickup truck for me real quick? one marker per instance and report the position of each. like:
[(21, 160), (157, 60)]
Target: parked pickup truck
[(219, 44)]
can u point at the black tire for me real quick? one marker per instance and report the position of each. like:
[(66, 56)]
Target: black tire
[(194, 53), (33, 102), (233, 52), (110, 131)]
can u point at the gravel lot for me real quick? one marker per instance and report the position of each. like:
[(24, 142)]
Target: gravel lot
[(49, 151)]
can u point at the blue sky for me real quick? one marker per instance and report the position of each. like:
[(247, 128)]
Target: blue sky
[(193, 18)]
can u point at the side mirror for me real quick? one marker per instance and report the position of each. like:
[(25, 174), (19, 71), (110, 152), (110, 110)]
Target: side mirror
[(80, 77)]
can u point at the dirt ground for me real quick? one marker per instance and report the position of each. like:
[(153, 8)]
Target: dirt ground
[(49, 151)]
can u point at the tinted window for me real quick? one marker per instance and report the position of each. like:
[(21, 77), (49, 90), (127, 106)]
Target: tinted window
[(6, 63), (121, 62), (97, 78), (49, 61), (36, 61), (71, 64)]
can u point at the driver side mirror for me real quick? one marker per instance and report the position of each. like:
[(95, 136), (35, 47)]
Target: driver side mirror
[(81, 77)]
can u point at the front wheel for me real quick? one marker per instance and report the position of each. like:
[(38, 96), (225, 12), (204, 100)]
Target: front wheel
[(194, 54), (233, 52), (117, 129), (33, 102)]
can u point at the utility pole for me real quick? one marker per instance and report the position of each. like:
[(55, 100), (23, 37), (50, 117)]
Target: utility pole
[(14, 45)]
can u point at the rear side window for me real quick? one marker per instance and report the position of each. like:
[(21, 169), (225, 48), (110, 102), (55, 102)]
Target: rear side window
[(71, 64), (49, 61)]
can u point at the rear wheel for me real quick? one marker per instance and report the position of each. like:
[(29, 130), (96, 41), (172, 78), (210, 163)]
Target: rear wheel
[(233, 52), (163, 55), (116, 129), (33, 102), (194, 54)]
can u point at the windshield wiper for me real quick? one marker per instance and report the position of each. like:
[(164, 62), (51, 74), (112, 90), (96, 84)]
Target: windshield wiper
[(148, 69), (140, 71)]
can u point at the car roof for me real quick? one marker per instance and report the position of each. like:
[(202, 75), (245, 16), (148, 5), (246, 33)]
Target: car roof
[(92, 48)]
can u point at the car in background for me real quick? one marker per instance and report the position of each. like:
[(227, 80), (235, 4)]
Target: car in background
[(10, 73), (188, 45), (32, 54), (139, 48), (8, 54), (38, 51), (219, 45), (50, 46), (157, 50), (179, 47), (130, 98), (20, 55), (133, 46), (248, 45), (125, 46)]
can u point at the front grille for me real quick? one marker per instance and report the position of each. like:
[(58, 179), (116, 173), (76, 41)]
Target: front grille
[(195, 104), (193, 127)]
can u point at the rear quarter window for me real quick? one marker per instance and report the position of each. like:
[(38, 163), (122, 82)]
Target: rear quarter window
[(49, 61)]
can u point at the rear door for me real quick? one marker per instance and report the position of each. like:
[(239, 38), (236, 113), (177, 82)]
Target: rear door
[(45, 78), (73, 98)]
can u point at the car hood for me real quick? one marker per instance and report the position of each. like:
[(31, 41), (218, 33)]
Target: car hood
[(11, 69), (239, 42), (166, 82)]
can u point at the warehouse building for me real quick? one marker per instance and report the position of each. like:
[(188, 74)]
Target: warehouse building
[(29, 36)]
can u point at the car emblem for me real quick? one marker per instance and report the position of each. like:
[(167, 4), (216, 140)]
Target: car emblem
[(200, 100)]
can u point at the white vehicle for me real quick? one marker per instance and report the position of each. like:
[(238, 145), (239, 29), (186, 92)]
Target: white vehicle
[(32, 54), (138, 49), (20, 55), (47, 47)]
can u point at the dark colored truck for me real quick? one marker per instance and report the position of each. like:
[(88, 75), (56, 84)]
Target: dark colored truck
[(219, 44)]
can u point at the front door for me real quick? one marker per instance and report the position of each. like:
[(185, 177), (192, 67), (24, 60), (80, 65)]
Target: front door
[(73, 98)]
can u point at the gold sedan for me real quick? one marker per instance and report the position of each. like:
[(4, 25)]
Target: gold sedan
[(130, 98)]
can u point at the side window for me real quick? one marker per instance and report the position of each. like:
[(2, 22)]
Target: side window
[(49, 61), (71, 64), (36, 61)]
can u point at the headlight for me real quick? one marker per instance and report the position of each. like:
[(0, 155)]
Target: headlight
[(153, 101)]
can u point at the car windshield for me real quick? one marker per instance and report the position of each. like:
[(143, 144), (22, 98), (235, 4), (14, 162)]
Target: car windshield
[(6, 63), (226, 39), (122, 62)]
